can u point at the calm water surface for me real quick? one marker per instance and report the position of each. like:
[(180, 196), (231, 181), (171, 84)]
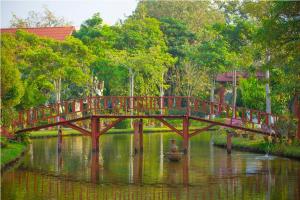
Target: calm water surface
[(207, 172)]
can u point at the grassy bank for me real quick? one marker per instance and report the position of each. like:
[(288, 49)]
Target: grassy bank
[(71, 132), (259, 145), (10, 152)]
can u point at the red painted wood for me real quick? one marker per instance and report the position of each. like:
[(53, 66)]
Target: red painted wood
[(229, 143), (141, 141), (119, 107), (136, 136), (77, 128), (95, 127), (201, 130), (169, 126), (81, 105), (185, 132), (111, 125)]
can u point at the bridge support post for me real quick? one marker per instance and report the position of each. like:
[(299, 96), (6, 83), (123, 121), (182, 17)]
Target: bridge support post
[(141, 135), (137, 137), (95, 134), (95, 169), (185, 130), (59, 139), (229, 143)]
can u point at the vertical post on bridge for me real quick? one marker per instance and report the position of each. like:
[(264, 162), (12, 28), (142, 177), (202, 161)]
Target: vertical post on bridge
[(95, 127), (141, 135), (138, 136), (229, 143), (185, 130), (59, 139)]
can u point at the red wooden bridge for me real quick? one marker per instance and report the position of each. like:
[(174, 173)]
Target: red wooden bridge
[(118, 108)]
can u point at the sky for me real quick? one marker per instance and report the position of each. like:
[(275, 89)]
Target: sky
[(75, 11)]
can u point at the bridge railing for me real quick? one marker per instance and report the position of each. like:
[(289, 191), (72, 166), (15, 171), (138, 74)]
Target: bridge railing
[(138, 105)]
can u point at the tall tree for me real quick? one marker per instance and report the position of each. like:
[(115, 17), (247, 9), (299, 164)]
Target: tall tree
[(196, 14), (12, 88), (36, 19)]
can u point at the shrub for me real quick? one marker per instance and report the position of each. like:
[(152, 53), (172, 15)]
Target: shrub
[(22, 137), (286, 127), (3, 141), (123, 124)]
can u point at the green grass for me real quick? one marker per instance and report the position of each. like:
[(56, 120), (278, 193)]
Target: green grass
[(259, 145), (11, 151), (70, 132)]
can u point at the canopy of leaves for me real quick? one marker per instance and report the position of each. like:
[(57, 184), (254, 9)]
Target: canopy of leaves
[(36, 19)]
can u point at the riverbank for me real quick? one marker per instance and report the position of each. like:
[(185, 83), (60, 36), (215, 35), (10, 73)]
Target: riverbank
[(258, 145), (71, 132), (11, 152)]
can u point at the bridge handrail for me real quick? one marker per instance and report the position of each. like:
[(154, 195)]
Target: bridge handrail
[(189, 104)]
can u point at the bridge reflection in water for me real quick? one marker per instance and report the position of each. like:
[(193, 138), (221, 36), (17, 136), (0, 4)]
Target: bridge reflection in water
[(74, 113), (115, 172)]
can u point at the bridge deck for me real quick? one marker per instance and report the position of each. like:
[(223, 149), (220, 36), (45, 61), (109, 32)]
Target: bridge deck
[(167, 107)]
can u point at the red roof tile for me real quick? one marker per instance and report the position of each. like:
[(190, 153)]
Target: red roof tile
[(57, 33), (227, 77)]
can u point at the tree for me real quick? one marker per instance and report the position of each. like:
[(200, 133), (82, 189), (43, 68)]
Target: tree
[(196, 14), (252, 89), (50, 66), (215, 57), (239, 34), (36, 19), (194, 81), (178, 40), (12, 88)]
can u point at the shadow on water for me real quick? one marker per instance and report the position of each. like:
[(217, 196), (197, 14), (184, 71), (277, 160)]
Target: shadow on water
[(115, 172)]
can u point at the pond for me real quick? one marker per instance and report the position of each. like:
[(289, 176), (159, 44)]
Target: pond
[(206, 172)]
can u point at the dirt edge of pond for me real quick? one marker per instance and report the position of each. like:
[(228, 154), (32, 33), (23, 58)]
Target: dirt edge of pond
[(13, 161)]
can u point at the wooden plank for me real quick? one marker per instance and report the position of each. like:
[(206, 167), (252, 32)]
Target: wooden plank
[(169, 126), (201, 130)]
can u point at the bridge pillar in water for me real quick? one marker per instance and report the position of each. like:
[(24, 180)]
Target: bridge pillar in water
[(185, 131), (95, 167), (141, 142), (59, 139), (229, 143), (95, 127), (138, 136)]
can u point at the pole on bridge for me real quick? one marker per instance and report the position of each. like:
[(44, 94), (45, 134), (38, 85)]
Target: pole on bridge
[(138, 136), (229, 142), (59, 139), (185, 130), (95, 127), (95, 169), (141, 135)]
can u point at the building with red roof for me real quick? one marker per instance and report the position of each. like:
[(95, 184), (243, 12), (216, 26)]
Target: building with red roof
[(57, 33), (228, 76)]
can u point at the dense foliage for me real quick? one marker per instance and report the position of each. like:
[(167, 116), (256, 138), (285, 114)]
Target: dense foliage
[(177, 46)]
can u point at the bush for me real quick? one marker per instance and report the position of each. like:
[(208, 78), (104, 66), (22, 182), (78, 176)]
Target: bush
[(3, 141), (123, 124), (286, 127), (22, 137)]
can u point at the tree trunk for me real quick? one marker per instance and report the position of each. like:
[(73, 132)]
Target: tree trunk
[(131, 94), (212, 97), (268, 92), (162, 94), (57, 85), (212, 92), (234, 94)]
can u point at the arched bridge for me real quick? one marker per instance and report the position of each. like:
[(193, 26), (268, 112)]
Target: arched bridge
[(70, 113)]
